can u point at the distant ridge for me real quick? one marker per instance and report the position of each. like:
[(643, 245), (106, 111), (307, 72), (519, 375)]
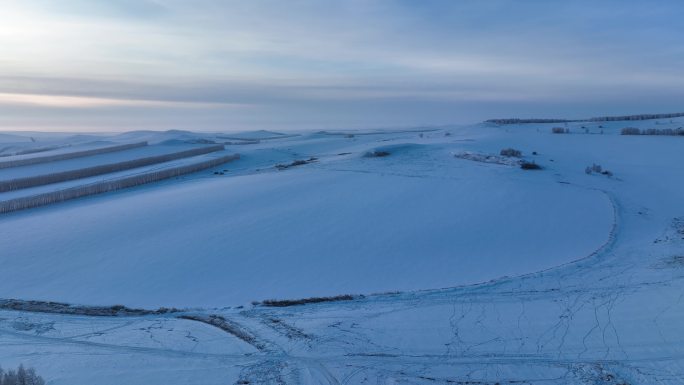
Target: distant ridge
[(597, 119)]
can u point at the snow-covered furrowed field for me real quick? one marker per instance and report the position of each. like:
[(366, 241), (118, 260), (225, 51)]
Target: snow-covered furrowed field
[(444, 261)]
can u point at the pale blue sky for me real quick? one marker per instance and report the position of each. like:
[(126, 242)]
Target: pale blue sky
[(276, 64)]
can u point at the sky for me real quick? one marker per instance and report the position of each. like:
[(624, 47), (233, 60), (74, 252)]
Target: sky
[(228, 65)]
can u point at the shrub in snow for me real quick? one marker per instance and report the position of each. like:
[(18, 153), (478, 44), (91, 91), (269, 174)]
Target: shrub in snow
[(530, 166), (511, 152), (597, 169), (560, 130), (376, 154), (21, 376)]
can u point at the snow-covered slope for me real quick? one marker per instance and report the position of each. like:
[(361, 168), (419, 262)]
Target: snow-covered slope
[(89, 161), (595, 264), (416, 219)]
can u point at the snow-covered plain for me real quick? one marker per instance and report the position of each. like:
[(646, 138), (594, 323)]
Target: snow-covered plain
[(417, 219), (547, 277)]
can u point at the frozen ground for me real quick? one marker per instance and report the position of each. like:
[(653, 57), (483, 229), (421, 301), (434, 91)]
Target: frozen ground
[(595, 265)]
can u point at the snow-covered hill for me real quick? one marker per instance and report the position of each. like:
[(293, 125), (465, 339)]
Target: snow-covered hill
[(490, 273)]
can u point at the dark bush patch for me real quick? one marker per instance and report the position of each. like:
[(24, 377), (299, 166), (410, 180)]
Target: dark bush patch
[(302, 301), (299, 162), (64, 308), (376, 154), (511, 152), (530, 166)]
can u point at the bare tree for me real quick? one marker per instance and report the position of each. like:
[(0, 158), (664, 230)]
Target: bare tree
[(22, 376)]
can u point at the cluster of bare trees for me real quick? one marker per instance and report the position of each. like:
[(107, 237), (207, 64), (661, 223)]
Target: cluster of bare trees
[(111, 185), (637, 117), (39, 180), (597, 119), (69, 155), (560, 130), (21, 376), (653, 131), (523, 121)]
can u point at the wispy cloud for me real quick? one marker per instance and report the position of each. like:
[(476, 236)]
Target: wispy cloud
[(64, 101), (326, 60)]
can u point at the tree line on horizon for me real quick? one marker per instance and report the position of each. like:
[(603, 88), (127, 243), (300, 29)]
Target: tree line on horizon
[(597, 119)]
